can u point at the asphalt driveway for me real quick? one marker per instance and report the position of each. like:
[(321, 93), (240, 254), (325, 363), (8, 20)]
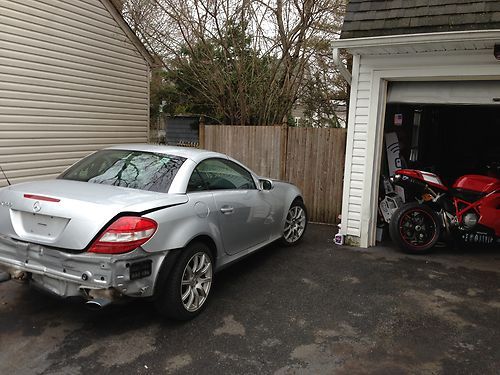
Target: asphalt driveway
[(313, 309)]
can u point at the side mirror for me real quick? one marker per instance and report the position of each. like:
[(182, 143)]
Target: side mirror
[(266, 184)]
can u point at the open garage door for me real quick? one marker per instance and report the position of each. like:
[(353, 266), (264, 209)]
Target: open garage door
[(445, 92), (447, 128)]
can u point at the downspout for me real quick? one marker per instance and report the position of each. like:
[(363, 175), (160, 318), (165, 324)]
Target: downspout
[(340, 66)]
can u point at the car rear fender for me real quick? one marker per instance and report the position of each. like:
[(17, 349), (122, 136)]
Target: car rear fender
[(171, 259), (179, 225)]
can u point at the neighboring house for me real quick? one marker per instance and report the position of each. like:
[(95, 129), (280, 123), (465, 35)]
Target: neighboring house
[(300, 118), (181, 130), (428, 71), (73, 79)]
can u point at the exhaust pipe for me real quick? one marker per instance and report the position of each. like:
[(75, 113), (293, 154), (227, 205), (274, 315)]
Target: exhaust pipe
[(97, 304), (99, 298)]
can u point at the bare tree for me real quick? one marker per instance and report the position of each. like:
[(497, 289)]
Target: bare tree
[(245, 61), (324, 95)]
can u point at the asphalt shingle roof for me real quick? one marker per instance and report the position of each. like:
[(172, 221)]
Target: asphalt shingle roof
[(366, 18)]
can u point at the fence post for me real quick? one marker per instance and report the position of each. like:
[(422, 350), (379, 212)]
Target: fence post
[(283, 150), (201, 132)]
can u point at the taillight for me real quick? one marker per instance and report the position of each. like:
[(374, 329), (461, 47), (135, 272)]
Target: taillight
[(125, 234), (411, 173)]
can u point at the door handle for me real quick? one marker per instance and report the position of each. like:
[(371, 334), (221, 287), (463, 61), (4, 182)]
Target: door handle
[(227, 210)]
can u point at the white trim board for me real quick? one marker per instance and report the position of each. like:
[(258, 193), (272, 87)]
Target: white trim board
[(349, 144), (422, 38)]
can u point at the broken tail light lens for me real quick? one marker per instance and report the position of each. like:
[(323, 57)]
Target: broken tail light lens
[(123, 235)]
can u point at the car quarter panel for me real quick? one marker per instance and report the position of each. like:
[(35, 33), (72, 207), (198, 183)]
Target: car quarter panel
[(179, 225)]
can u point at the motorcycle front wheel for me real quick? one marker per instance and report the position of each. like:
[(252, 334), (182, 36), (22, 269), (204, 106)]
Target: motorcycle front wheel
[(415, 228)]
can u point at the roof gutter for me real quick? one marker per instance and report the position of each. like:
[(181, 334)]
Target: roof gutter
[(340, 66), (423, 38)]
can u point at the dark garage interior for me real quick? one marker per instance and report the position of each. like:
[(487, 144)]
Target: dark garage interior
[(453, 140)]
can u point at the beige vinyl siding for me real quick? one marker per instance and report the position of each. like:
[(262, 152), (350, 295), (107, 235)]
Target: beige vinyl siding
[(71, 82)]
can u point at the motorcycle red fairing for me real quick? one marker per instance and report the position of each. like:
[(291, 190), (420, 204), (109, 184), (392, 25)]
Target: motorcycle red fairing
[(487, 206), (468, 212)]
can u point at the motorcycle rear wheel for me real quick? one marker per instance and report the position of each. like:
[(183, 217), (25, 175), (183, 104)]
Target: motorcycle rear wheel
[(415, 228)]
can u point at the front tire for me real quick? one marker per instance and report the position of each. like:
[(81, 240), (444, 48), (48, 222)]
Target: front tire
[(295, 224), (185, 291), (415, 228)]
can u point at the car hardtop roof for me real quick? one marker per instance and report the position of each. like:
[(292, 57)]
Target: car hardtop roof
[(185, 152)]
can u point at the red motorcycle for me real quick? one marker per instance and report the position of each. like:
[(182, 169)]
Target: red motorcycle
[(467, 213)]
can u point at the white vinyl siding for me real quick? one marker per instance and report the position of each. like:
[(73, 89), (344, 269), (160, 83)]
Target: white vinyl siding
[(356, 150), (71, 82)]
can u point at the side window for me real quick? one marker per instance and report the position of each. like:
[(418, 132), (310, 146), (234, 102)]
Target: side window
[(196, 182), (220, 174)]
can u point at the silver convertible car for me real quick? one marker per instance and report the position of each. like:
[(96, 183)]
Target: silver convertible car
[(143, 221)]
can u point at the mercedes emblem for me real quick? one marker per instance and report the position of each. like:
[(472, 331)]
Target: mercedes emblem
[(37, 207)]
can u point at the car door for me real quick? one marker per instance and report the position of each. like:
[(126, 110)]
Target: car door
[(243, 212)]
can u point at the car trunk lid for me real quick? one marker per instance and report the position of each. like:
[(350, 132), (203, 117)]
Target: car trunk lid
[(69, 214)]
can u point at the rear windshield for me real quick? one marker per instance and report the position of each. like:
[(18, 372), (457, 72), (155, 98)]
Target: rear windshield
[(132, 169)]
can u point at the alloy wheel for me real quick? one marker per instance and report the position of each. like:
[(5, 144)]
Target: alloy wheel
[(295, 224), (417, 228), (196, 281)]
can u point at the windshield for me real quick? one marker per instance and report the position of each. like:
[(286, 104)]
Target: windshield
[(131, 169)]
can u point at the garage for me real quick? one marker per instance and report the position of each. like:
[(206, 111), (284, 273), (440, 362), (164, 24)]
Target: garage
[(450, 129), (425, 94)]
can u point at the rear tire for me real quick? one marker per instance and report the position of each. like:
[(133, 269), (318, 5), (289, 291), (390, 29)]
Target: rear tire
[(415, 228), (186, 289)]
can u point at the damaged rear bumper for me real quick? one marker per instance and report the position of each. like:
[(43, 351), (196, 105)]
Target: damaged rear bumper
[(93, 276)]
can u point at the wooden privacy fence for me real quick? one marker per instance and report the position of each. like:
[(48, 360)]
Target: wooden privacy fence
[(311, 158)]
